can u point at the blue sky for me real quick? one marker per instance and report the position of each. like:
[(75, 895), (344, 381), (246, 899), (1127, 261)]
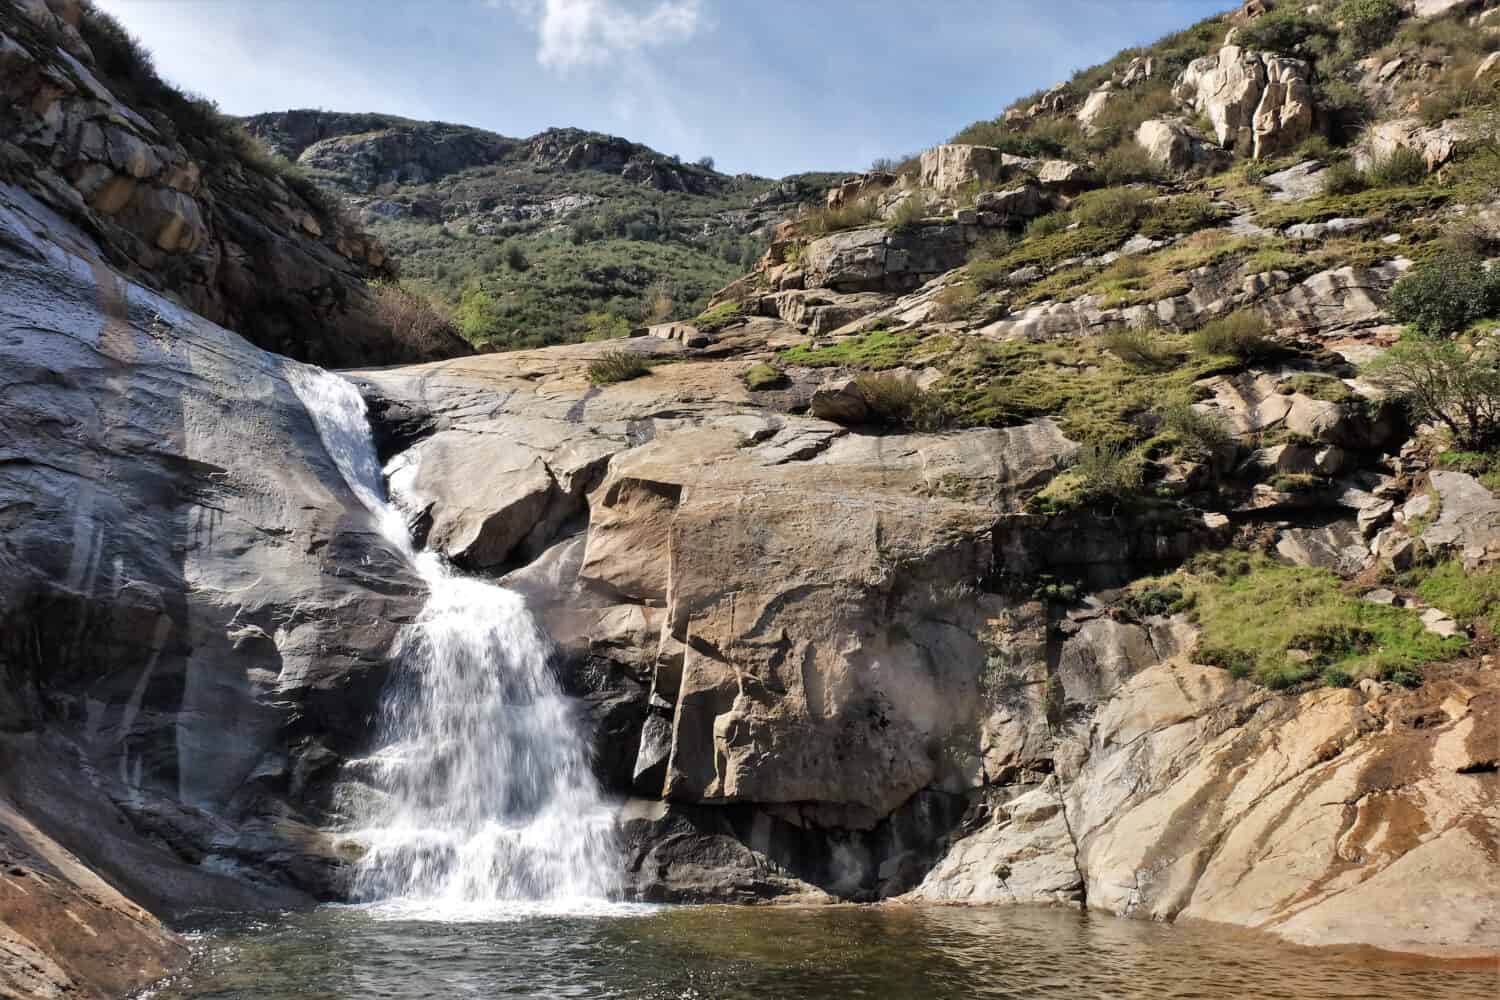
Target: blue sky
[(766, 86)]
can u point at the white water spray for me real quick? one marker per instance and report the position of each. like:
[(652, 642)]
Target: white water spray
[(486, 793)]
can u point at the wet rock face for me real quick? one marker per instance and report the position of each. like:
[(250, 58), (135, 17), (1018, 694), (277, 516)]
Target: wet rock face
[(826, 684), (195, 609), (179, 208)]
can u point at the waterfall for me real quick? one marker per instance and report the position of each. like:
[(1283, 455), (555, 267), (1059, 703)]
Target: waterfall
[(485, 793)]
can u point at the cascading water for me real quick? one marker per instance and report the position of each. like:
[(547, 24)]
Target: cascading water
[(486, 796)]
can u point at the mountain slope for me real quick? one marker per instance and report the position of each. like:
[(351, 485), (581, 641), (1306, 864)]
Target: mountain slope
[(525, 238)]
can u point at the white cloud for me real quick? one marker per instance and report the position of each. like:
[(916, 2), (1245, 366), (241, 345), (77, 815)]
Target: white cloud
[(574, 33)]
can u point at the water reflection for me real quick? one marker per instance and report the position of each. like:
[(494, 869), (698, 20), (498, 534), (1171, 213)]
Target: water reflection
[(720, 953)]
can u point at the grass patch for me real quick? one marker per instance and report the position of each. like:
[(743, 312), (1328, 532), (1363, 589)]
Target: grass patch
[(1093, 394), (823, 220), (1285, 625), (1387, 205), (763, 376), (1322, 387), (725, 314), (876, 350), (618, 366), (1472, 598)]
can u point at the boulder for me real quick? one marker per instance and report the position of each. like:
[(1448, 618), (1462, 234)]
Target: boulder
[(1177, 146), (1260, 103), (1436, 144), (855, 188), (1015, 205), (1066, 177), (1298, 183), (1339, 547), (1488, 69), (1094, 105), (1468, 524), (1322, 230), (840, 401), (882, 259), (1138, 70)]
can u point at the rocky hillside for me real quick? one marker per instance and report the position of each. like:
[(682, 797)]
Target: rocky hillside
[(1101, 510), (1103, 513), (564, 236), (180, 198)]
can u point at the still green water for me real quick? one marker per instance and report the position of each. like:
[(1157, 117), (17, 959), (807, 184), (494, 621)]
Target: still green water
[(708, 953)]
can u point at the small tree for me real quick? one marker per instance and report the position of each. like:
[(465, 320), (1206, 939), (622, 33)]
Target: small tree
[(1441, 382), (478, 314), (706, 162), (659, 302), (415, 320)]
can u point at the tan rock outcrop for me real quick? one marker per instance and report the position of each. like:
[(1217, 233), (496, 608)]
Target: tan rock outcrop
[(947, 168), (1260, 104), (1313, 817)]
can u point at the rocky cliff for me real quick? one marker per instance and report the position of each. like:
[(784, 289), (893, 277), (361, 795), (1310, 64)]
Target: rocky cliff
[(1018, 531), (179, 198)]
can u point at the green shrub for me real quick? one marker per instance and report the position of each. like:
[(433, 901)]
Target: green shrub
[(764, 376), (1283, 31), (1440, 382), (1402, 167), (1367, 24), (516, 258), (1111, 207), (1243, 334), (1102, 477), (618, 366), (1046, 225), (1139, 348), (1445, 294), (1129, 163), (1199, 435), (1108, 473), (1343, 178), (897, 403)]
